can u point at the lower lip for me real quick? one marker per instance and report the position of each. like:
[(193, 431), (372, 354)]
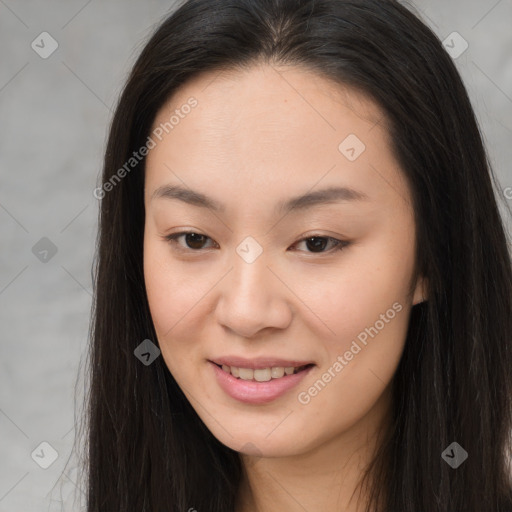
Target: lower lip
[(253, 392)]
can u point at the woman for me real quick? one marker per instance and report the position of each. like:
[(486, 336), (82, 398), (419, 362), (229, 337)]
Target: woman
[(303, 288)]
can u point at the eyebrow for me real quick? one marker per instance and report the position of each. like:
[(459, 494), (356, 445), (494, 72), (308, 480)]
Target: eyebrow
[(305, 201)]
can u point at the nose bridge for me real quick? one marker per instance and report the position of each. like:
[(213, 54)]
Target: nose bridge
[(250, 281), (251, 296)]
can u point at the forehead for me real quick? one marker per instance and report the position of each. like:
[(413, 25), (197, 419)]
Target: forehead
[(258, 90), (268, 127)]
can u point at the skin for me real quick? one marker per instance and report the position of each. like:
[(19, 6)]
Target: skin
[(255, 138)]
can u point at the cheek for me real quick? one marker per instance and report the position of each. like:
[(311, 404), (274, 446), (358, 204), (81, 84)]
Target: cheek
[(367, 328), (171, 291), (365, 305), (177, 304), (368, 312), (357, 293), (167, 310)]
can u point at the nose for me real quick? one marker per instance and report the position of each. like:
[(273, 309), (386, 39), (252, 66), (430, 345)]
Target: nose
[(253, 298)]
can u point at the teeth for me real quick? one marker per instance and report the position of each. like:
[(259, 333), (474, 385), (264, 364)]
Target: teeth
[(246, 373), (261, 374), (275, 372)]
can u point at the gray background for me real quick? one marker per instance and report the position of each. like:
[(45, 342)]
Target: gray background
[(54, 118)]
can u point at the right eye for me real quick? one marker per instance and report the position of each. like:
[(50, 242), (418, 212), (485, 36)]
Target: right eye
[(194, 241)]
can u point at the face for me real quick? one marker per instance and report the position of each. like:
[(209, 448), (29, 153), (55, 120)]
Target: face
[(279, 233)]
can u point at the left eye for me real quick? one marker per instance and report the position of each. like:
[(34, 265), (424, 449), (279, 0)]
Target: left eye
[(320, 242), (195, 242)]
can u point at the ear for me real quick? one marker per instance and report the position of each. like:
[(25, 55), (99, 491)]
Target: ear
[(420, 292)]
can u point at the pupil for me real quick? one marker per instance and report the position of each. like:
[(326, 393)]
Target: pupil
[(194, 241), (320, 243)]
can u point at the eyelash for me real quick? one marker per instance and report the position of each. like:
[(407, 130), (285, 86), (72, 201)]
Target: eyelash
[(172, 239)]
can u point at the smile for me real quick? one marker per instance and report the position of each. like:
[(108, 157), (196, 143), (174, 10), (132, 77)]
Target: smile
[(262, 374), (257, 385)]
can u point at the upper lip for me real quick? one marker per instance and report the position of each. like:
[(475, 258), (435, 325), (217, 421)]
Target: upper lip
[(258, 362)]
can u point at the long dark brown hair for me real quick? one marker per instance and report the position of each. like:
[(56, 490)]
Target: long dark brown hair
[(146, 448)]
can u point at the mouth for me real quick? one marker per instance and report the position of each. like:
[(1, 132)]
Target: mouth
[(261, 384), (262, 374)]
